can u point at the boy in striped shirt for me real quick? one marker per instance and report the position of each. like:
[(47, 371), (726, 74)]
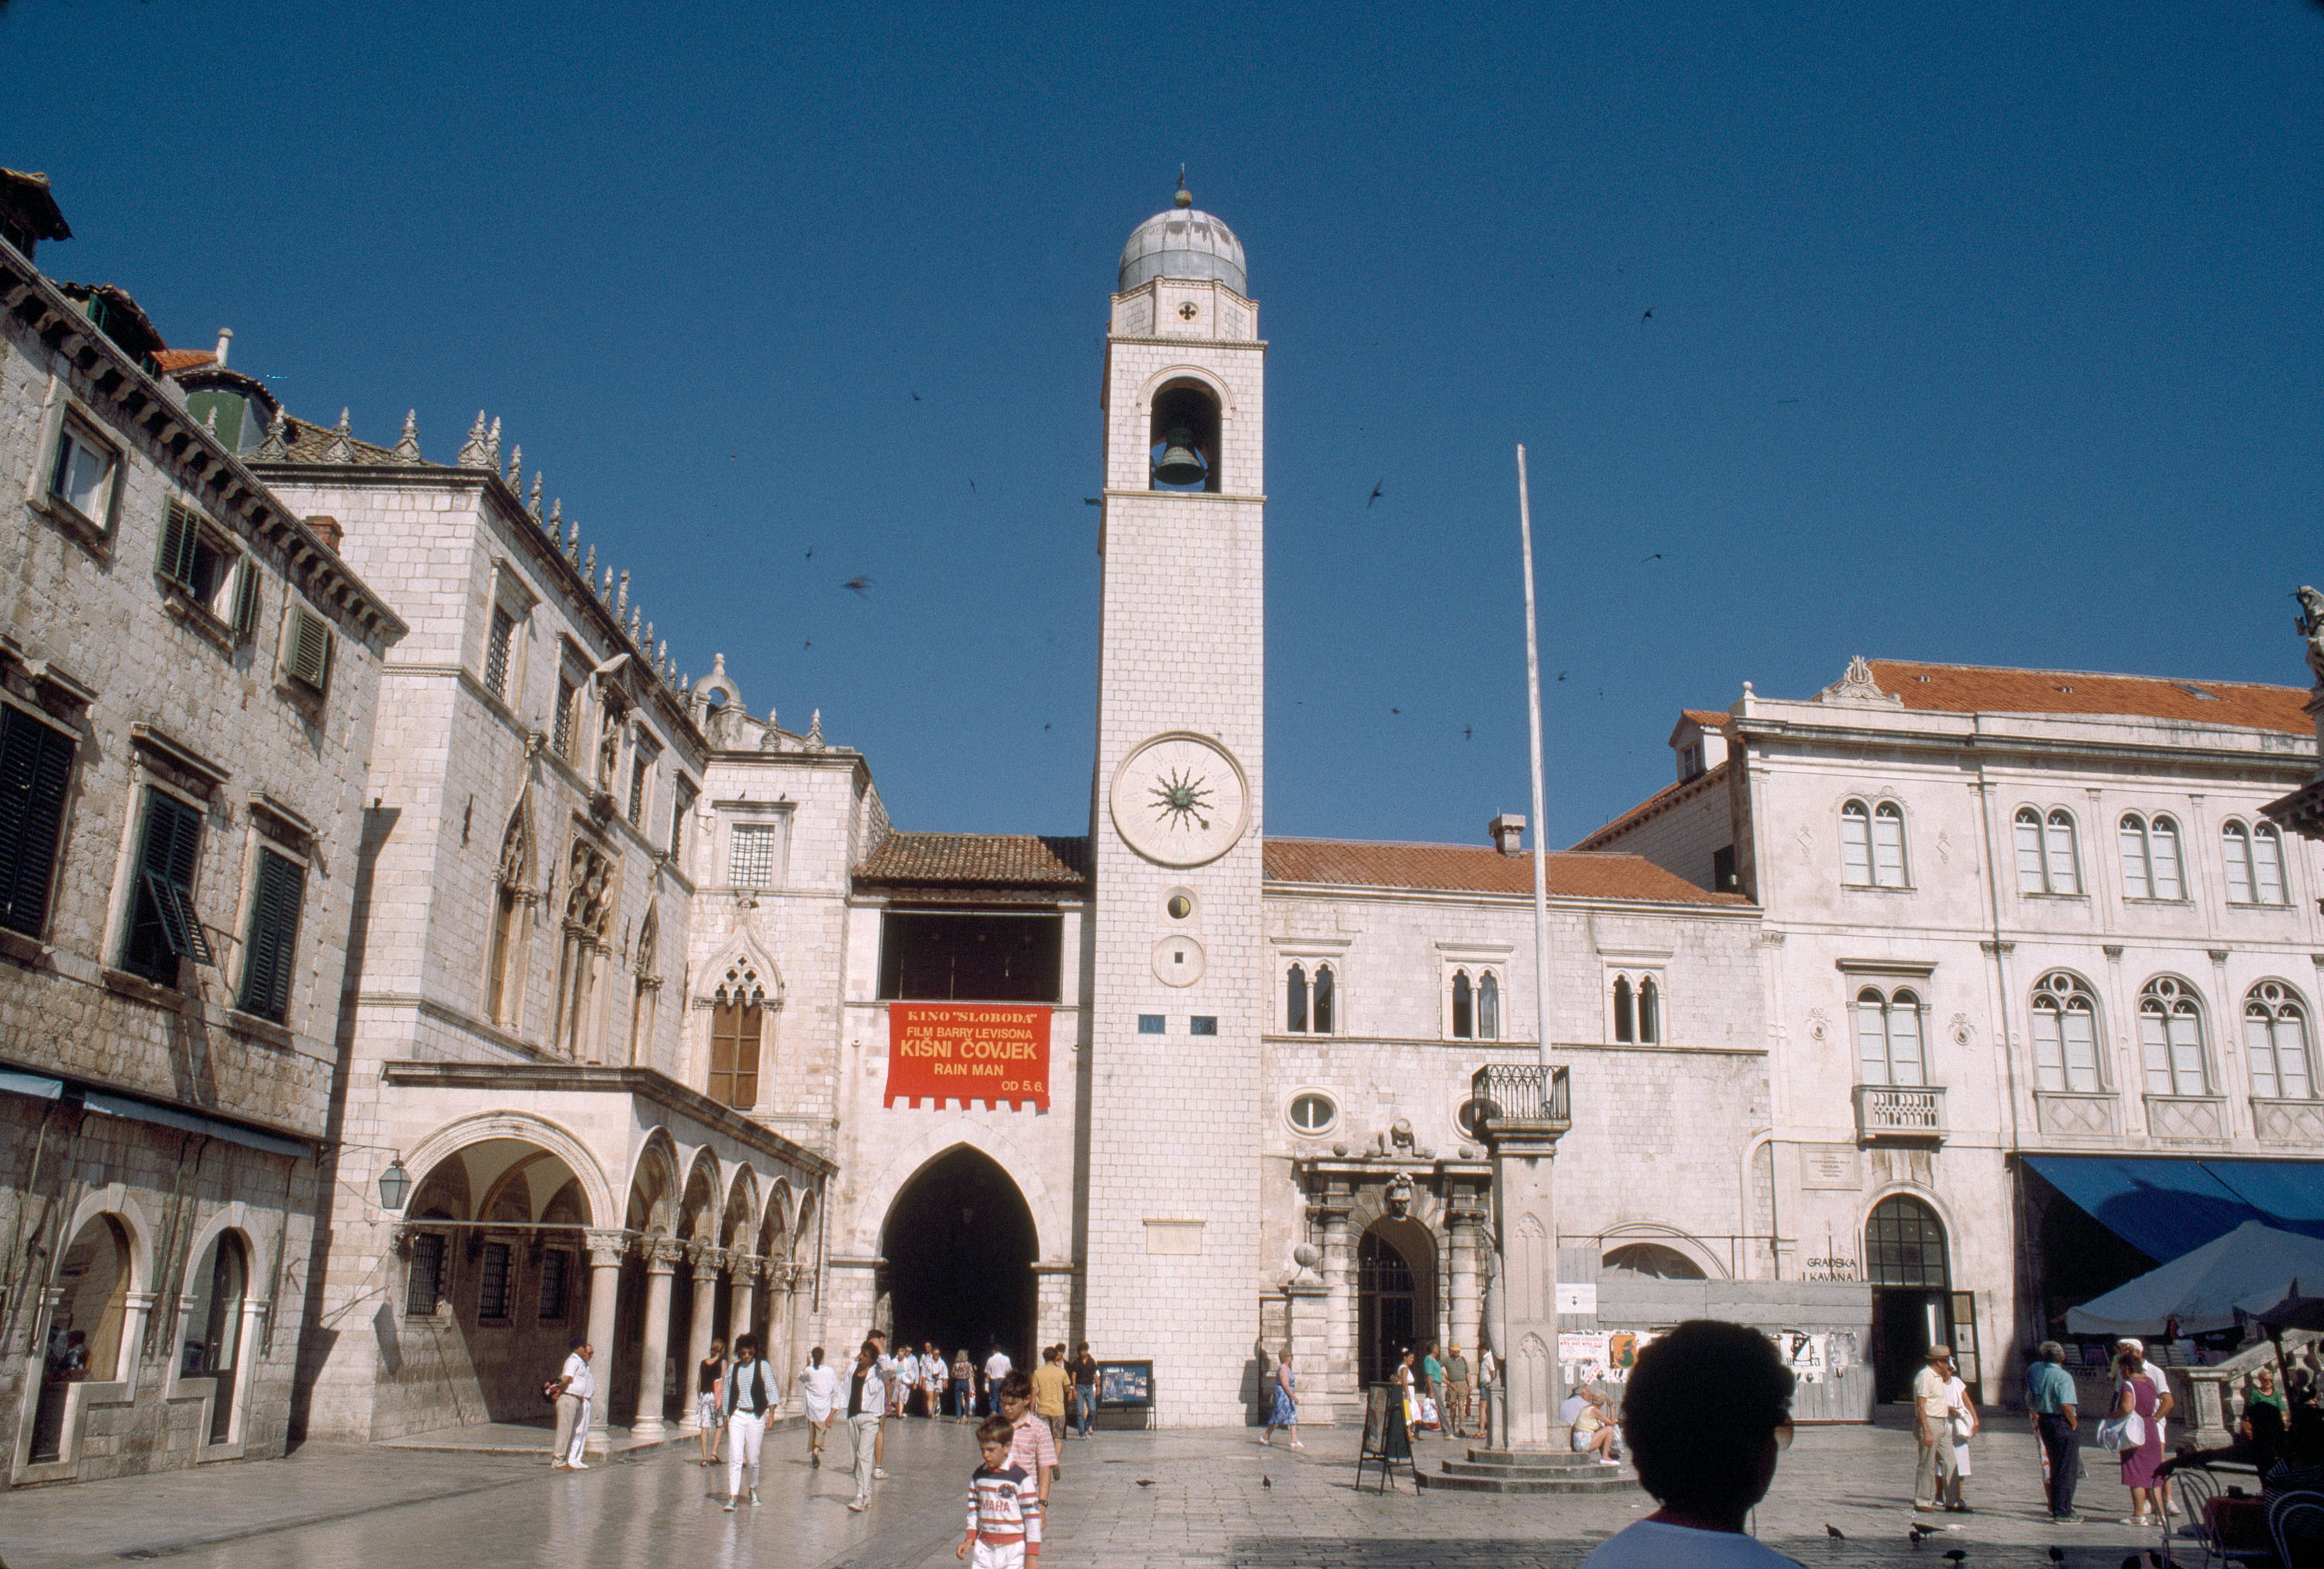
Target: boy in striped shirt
[(1004, 1506)]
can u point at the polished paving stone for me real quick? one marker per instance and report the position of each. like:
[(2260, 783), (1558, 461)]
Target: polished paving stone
[(1172, 1499)]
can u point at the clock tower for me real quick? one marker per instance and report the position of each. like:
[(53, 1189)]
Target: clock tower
[(1179, 989)]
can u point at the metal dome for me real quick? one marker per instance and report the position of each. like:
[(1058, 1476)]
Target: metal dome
[(1183, 243)]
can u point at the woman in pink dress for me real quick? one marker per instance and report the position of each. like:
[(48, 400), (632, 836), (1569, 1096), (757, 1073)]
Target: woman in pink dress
[(2135, 1392)]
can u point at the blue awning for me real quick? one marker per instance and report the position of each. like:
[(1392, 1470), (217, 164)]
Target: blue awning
[(40, 1086), (194, 1123), (2166, 1207)]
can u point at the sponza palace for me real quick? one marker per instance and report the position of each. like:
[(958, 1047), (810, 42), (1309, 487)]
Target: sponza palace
[(405, 970)]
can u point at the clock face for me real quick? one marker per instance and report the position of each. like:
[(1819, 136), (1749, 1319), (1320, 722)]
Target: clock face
[(1180, 800)]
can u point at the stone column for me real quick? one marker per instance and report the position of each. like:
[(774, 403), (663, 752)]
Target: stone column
[(1466, 1220), (1307, 1330), (744, 1301), (648, 1424), (707, 1263), (605, 1252), (782, 1323), (1335, 1371), (1524, 1139)]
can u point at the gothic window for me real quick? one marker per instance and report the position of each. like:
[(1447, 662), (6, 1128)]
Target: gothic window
[(737, 1016), (2150, 857), (1326, 1000), (645, 990), (1872, 844), (1488, 1006), (1295, 1001), (587, 917), (1626, 1018), (2065, 1035), (1650, 1012), (504, 958), (2275, 1034), (1888, 1038), (2255, 861), (2170, 1038), (2048, 860), (1464, 1010)]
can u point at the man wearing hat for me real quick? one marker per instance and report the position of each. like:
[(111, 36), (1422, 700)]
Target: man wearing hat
[(1938, 1479)]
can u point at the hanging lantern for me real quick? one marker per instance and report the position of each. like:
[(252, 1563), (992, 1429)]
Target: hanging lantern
[(394, 1184)]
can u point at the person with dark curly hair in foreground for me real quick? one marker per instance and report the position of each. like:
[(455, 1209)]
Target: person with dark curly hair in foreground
[(1705, 1413)]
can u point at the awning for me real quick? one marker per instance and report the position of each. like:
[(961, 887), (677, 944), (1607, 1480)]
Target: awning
[(2253, 1265), (2167, 1207), (32, 1085), (194, 1123)]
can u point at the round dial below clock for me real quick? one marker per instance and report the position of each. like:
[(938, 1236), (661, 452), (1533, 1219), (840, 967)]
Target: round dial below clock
[(1180, 800)]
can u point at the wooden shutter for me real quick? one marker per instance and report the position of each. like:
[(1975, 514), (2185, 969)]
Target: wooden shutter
[(309, 658), (35, 773), (274, 937), (180, 535), (165, 924), (245, 600), (746, 1058), (724, 1022)]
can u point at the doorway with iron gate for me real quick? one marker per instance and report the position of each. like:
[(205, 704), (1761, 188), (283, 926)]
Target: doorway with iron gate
[(1908, 1267), (1396, 1295)]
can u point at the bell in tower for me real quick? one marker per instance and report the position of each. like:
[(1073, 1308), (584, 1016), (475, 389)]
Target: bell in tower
[(1186, 440)]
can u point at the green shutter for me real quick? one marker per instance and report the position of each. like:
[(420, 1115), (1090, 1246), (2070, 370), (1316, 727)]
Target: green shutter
[(163, 924), (180, 535), (274, 937), (35, 773), (309, 660), (245, 600)]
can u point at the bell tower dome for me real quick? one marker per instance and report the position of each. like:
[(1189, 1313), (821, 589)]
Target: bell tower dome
[(1179, 986)]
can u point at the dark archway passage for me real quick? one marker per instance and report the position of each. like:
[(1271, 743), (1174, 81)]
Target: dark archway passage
[(959, 1245)]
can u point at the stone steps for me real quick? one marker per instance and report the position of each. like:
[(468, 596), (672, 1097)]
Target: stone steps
[(1530, 1470)]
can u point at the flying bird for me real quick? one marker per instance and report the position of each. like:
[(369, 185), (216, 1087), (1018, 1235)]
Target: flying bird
[(1091, 500), (1376, 491), (1561, 675), (1656, 556), (807, 645), (1834, 1532), (971, 487), (859, 586), (1649, 313), (1396, 710), (1045, 726), (1468, 732), (916, 397), (810, 552), (732, 457)]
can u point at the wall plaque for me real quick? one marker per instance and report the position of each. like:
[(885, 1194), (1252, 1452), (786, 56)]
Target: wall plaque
[(1838, 1167)]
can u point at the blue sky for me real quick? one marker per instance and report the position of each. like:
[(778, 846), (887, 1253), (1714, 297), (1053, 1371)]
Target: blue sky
[(1991, 336)]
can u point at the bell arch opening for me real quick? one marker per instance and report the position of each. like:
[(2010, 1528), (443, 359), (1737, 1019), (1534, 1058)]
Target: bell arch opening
[(959, 1244), (1184, 440)]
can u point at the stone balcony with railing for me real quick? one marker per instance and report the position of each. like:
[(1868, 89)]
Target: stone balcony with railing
[(1521, 1097), (1900, 1115)]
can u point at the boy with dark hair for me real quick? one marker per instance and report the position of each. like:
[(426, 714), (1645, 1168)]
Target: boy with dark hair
[(1706, 1412), (1033, 1447), (1004, 1506)]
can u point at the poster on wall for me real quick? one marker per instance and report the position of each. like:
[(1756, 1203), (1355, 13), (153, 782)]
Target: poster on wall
[(1809, 1356), (997, 1053), (1582, 1357)]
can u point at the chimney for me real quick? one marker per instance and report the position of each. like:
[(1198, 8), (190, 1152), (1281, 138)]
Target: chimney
[(1508, 834), (226, 337), (326, 529)]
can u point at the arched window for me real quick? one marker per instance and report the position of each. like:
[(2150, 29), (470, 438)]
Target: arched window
[(645, 989), (1904, 1245), (1888, 1039), (2065, 1035), (2254, 863), (2170, 1038), (1295, 1001), (1464, 1019), (2276, 1033), (2150, 857), (1872, 844), (1625, 1029), (2048, 860), (1184, 454), (1489, 1007), (1650, 1012), (1650, 1261), (737, 1019), (1326, 999)]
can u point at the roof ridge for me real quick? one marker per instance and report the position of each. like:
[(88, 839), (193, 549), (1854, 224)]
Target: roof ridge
[(2087, 675)]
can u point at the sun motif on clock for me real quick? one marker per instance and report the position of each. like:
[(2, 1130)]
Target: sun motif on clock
[(1180, 800)]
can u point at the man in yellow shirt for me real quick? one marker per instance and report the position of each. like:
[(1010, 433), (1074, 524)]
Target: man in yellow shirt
[(1050, 1383), (1938, 1477)]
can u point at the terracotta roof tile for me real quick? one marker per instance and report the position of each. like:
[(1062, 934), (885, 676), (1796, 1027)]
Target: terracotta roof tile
[(1481, 869), (1707, 718), (1664, 797), (1001, 860), (1980, 689), (173, 360)]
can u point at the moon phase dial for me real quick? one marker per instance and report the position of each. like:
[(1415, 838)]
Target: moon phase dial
[(1180, 800)]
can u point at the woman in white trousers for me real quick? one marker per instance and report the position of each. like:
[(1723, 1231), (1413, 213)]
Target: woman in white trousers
[(751, 1394)]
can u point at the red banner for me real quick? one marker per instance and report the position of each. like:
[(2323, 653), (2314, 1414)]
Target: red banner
[(955, 1051)]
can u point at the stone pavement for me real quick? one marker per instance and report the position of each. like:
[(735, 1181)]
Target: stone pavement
[(1160, 1499)]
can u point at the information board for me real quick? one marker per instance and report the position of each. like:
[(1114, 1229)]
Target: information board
[(1126, 1384)]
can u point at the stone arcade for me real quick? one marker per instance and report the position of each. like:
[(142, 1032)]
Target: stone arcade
[(613, 969)]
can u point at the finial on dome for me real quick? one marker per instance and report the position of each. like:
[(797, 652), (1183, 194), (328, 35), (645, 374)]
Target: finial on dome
[(1185, 197)]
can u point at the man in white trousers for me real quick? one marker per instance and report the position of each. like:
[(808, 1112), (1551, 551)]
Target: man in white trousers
[(750, 1395), (576, 1387), (867, 1401)]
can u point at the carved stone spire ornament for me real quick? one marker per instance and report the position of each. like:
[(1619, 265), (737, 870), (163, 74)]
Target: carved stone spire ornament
[(534, 506), (515, 475), (770, 739), (2310, 625), (649, 644), (621, 600), (471, 451), (556, 519), (342, 448), (589, 563), (407, 446), (814, 731), (605, 589), (276, 445), (633, 620), (493, 446)]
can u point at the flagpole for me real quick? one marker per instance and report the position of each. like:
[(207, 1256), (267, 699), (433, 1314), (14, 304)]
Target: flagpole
[(1540, 822)]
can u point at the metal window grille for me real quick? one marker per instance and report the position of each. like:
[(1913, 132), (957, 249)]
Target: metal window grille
[(422, 1287), (555, 1284), (495, 1282), (753, 857), (561, 724), (640, 767), (496, 653), (680, 805)]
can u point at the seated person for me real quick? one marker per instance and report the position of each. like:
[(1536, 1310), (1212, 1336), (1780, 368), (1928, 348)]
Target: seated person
[(1592, 1431)]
